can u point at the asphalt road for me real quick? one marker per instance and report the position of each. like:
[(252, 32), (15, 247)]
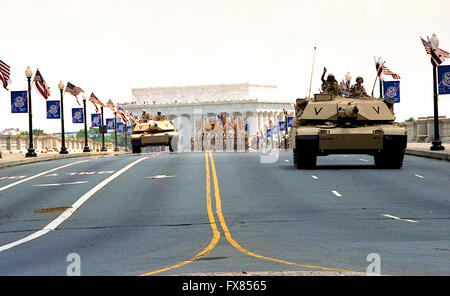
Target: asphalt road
[(164, 214)]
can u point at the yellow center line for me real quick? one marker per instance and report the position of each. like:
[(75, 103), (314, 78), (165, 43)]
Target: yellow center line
[(216, 234), (230, 239)]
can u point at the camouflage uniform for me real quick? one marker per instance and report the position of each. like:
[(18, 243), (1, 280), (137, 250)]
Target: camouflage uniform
[(146, 116), (329, 86), (358, 90)]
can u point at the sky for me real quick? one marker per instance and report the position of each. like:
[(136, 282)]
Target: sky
[(111, 46)]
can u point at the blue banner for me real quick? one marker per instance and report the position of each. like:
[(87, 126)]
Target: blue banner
[(120, 127), (290, 118), (444, 80), (269, 134), (77, 115), (53, 109), (274, 130), (282, 126), (110, 124), (128, 130), (19, 102), (96, 119), (391, 89)]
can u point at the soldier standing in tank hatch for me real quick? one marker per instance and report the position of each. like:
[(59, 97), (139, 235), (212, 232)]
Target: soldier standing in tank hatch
[(329, 86), (358, 90), (159, 116), (146, 116)]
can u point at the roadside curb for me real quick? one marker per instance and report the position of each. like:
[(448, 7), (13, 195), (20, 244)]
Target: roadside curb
[(39, 158), (428, 154)]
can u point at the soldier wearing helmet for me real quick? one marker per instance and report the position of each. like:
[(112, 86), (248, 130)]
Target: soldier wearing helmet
[(146, 116), (330, 85), (358, 90)]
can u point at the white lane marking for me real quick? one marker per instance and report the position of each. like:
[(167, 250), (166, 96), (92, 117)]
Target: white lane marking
[(59, 184), (160, 177), (336, 193), (286, 160), (40, 174), (398, 218), (362, 159), (314, 177), (12, 177), (419, 176), (67, 213)]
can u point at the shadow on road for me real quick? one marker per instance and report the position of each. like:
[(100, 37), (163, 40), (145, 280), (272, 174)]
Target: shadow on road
[(331, 167)]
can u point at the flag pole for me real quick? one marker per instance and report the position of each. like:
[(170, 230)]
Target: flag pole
[(437, 143), (378, 73), (312, 70)]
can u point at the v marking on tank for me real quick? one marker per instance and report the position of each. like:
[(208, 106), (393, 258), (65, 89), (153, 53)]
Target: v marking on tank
[(317, 112)]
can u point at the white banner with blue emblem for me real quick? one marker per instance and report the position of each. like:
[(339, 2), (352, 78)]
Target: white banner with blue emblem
[(19, 102), (444, 80), (391, 90)]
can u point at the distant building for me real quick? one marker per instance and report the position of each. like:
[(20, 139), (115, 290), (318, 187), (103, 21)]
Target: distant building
[(259, 106), (10, 131)]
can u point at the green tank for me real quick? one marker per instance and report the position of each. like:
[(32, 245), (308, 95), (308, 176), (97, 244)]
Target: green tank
[(148, 132), (337, 124)]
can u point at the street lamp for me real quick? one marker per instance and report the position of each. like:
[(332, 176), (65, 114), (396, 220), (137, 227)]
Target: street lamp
[(102, 131), (63, 138), (31, 152), (86, 146), (436, 144), (116, 148)]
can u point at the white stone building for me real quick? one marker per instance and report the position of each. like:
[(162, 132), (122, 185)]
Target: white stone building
[(256, 105)]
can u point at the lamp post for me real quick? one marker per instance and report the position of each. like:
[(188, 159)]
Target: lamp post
[(436, 144), (63, 138), (31, 152), (86, 146), (103, 129), (126, 140), (116, 148)]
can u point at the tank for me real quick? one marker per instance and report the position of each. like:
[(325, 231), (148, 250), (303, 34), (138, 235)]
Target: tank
[(148, 132), (337, 124)]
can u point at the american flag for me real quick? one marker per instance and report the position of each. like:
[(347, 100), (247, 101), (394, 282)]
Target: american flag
[(95, 101), (122, 114), (41, 85), (382, 69), (4, 74), (345, 84), (111, 105), (73, 90), (437, 56), (130, 116)]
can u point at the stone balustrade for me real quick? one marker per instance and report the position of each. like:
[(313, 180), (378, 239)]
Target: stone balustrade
[(422, 129), (47, 143)]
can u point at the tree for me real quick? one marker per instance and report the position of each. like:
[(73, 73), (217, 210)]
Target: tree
[(411, 119)]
